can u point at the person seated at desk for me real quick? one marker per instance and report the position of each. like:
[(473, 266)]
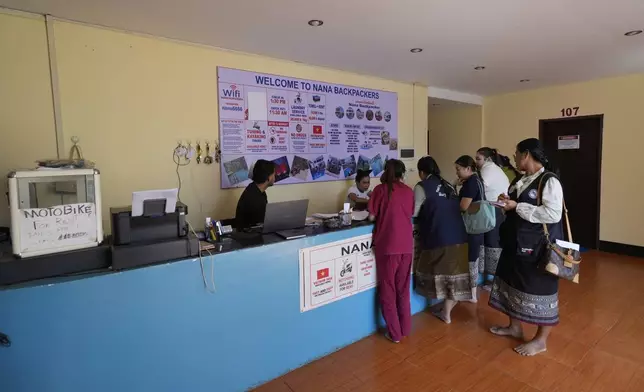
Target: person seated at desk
[(251, 206), (358, 195)]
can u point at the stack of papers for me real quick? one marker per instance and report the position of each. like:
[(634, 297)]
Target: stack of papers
[(324, 216), (359, 215)]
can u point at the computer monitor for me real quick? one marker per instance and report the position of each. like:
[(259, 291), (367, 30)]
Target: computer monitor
[(285, 215)]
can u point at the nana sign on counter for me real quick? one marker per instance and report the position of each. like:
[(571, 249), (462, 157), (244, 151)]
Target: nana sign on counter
[(336, 270), (312, 131)]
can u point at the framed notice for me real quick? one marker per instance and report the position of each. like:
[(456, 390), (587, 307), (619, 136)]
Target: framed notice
[(313, 131), (568, 142), (336, 270)]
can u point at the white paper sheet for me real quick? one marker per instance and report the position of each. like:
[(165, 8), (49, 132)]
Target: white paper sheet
[(139, 197), (257, 109), (568, 245)]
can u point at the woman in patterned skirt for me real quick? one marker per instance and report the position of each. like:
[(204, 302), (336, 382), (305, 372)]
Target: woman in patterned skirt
[(471, 191), (522, 289), (441, 268), (489, 163)]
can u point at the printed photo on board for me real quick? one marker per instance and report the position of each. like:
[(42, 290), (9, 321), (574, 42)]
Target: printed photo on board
[(318, 167), (393, 144), (387, 116), (377, 165), (333, 166), (236, 170), (359, 114), (350, 113), (339, 112), (385, 137), (364, 163), (378, 115), (369, 114), (282, 169), (300, 168), (349, 166)]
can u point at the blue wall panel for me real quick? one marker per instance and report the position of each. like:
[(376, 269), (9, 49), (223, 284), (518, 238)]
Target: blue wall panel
[(158, 329)]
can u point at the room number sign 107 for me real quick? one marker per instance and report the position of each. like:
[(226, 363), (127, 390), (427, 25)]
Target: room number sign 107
[(569, 112)]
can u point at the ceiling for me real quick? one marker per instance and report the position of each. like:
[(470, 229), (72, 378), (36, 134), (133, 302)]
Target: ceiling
[(546, 41)]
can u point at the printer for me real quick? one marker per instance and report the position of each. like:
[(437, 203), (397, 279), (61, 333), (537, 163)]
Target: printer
[(151, 236)]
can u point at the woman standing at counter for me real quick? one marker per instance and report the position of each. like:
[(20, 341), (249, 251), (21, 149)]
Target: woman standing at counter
[(471, 191), (442, 269), (391, 206), (495, 182)]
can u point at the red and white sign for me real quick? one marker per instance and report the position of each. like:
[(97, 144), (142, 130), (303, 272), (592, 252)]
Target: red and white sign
[(336, 270)]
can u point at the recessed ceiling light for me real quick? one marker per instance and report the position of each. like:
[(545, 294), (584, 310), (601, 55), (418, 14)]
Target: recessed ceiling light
[(416, 50), (479, 68), (633, 32), (524, 80), (315, 22)]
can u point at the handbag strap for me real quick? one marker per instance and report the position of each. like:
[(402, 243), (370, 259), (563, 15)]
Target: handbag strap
[(565, 209), (479, 182)]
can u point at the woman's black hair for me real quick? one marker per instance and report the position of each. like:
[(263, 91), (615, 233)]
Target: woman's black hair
[(360, 174), (394, 171), (429, 166), (498, 159), (534, 147), (468, 161)]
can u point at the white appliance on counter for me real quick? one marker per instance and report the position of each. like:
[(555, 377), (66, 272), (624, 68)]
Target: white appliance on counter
[(54, 210)]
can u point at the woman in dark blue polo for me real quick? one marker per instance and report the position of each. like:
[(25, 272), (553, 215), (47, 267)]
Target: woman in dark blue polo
[(441, 270), (472, 191)]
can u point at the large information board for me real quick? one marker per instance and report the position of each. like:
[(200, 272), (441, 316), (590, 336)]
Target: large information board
[(313, 131)]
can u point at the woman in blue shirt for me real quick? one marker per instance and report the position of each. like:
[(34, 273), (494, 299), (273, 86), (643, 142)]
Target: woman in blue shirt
[(441, 268), (471, 191)]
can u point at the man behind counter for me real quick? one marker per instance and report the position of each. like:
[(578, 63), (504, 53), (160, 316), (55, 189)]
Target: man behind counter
[(251, 206)]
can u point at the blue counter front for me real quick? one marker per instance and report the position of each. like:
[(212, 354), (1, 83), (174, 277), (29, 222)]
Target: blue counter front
[(158, 329)]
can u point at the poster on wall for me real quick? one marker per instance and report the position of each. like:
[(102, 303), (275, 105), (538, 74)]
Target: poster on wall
[(313, 131), (336, 270)]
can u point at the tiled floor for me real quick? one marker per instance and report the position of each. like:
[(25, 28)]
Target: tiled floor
[(599, 346)]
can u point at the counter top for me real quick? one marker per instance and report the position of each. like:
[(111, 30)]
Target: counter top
[(230, 243)]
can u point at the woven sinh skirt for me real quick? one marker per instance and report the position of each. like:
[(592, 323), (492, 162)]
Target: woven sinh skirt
[(443, 273), (524, 291), (492, 247)]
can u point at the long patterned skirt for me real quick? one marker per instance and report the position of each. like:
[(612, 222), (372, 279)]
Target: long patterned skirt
[(442, 273), (524, 291), (476, 257), (492, 247)]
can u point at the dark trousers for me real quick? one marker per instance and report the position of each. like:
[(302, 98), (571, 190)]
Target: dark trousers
[(394, 275)]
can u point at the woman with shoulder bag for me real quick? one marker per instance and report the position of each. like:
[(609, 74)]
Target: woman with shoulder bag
[(522, 288), (471, 191)]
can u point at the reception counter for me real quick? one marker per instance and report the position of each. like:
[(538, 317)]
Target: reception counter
[(158, 329)]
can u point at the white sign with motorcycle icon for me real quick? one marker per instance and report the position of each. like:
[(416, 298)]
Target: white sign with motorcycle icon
[(337, 270)]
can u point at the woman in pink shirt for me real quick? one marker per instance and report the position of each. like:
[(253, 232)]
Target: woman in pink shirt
[(392, 206)]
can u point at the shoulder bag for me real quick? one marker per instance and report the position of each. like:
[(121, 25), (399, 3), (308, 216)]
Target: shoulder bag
[(480, 217), (561, 259)]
